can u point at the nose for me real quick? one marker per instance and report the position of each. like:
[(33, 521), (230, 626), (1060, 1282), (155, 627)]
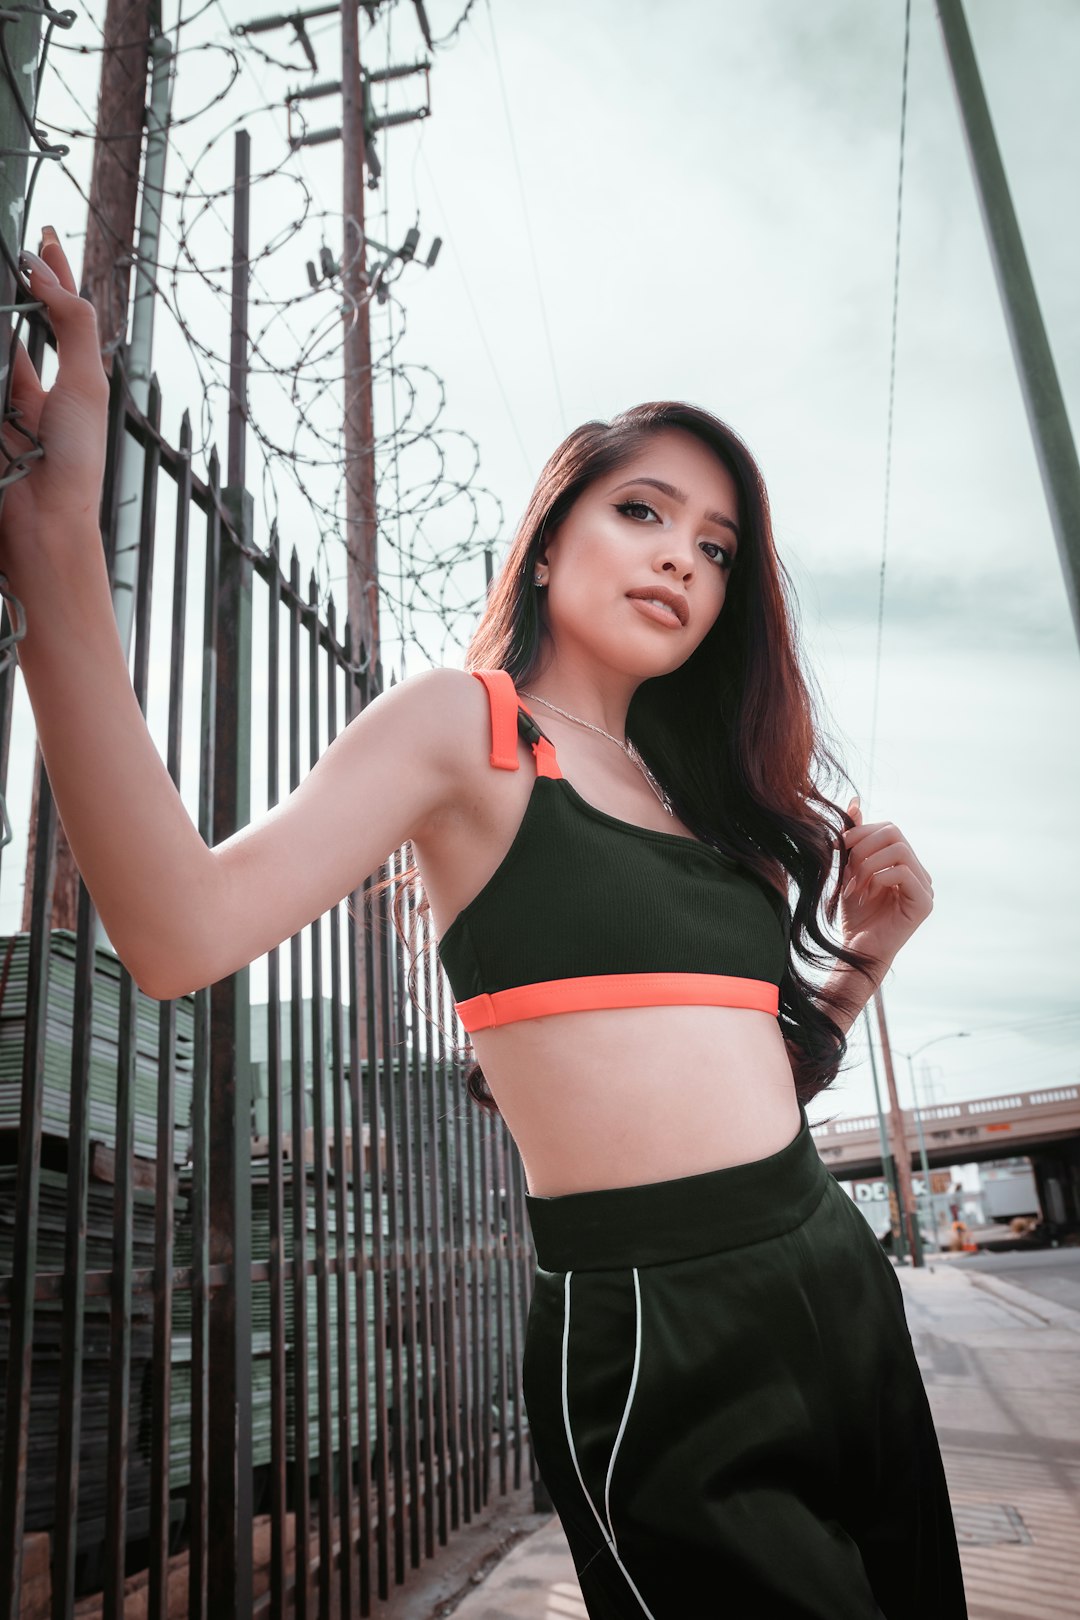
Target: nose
[(679, 557)]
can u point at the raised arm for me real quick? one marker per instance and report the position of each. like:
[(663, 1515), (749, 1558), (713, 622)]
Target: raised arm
[(179, 914)]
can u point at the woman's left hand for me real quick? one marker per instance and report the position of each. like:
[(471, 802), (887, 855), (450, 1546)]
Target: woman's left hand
[(888, 891)]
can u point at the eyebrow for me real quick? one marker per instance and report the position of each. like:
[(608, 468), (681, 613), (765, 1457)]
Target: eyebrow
[(678, 495)]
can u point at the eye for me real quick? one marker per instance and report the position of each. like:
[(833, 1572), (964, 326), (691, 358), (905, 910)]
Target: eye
[(718, 554), (633, 508)]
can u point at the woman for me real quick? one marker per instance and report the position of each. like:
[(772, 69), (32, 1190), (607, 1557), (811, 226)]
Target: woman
[(722, 1393)]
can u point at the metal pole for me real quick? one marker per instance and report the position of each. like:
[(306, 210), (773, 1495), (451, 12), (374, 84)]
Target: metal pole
[(1055, 447), (898, 1137), (888, 1168), (21, 32), (361, 536), (927, 1192), (882, 1131), (139, 362)]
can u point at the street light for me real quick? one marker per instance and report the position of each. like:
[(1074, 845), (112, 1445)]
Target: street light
[(953, 1035)]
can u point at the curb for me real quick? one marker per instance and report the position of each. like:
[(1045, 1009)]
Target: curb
[(1047, 1311), (1032, 1307)]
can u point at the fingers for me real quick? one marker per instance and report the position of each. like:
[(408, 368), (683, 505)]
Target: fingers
[(26, 390), (73, 318), (868, 839), (53, 254), (27, 395), (884, 861), (908, 884)]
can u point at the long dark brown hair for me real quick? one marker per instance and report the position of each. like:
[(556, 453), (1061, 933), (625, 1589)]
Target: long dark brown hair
[(732, 734)]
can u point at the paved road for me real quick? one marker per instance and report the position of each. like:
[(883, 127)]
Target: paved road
[(1052, 1273), (1001, 1359)]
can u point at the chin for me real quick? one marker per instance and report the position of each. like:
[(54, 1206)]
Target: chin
[(648, 668)]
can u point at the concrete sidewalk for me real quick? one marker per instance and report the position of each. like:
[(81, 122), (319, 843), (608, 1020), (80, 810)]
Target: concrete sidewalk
[(1002, 1369)]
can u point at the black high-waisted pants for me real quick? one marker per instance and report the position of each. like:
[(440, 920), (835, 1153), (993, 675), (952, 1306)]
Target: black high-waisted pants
[(725, 1405)]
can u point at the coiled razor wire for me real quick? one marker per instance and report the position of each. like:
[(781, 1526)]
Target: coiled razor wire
[(436, 523)]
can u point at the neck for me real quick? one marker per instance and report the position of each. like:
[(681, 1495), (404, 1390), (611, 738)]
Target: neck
[(600, 697)]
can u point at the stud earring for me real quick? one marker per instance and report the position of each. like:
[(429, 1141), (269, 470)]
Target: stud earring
[(537, 580)]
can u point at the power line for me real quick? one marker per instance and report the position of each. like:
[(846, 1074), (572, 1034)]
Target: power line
[(529, 461), (525, 212), (892, 384)]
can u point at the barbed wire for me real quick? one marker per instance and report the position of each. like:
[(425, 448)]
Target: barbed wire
[(435, 518)]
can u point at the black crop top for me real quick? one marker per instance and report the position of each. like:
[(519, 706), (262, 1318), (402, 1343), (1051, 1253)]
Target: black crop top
[(588, 911)]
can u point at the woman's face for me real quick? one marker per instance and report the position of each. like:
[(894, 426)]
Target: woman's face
[(667, 522)]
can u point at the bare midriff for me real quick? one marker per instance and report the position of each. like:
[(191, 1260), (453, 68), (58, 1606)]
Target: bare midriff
[(624, 1096)]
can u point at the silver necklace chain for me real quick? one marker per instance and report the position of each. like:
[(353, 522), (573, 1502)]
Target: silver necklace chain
[(627, 747)]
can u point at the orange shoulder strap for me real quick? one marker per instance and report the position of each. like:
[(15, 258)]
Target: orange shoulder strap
[(504, 706)]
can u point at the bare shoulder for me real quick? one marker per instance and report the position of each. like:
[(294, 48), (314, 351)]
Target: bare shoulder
[(444, 717)]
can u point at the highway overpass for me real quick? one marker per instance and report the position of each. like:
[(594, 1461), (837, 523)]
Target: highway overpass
[(1044, 1125)]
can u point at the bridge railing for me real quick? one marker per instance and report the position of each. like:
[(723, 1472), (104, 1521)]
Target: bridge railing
[(1029, 1103)]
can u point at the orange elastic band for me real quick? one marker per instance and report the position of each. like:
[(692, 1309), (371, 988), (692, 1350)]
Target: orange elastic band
[(597, 990), (504, 703), (544, 754), (502, 699)]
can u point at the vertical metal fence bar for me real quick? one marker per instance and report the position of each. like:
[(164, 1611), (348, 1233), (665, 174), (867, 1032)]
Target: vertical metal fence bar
[(24, 1261), (521, 1294), (74, 1283), (475, 1252), (434, 1180), (436, 1118), (452, 1249), (390, 1072), (417, 1072), (489, 1198), (198, 1511), (164, 1212), (318, 1170), (274, 1165), (515, 1345), (301, 1472), (463, 1355), (120, 1312), (364, 1178), (504, 1384), (346, 1164), (378, 1242), (407, 1244), (230, 1548)]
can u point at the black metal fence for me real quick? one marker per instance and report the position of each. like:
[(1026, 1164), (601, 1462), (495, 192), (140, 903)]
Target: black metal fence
[(264, 1269)]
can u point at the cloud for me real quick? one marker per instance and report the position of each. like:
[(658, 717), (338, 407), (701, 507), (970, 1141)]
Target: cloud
[(991, 612)]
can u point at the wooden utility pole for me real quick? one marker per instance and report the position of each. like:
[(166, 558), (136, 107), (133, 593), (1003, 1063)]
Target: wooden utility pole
[(106, 282), (361, 530), (360, 167), (898, 1138), (114, 178)]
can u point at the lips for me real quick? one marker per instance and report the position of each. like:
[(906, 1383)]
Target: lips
[(659, 593)]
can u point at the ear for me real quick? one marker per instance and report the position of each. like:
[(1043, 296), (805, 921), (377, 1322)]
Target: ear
[(548, 538)]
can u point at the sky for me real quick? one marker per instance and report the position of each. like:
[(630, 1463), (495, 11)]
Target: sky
[(698, 201)]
